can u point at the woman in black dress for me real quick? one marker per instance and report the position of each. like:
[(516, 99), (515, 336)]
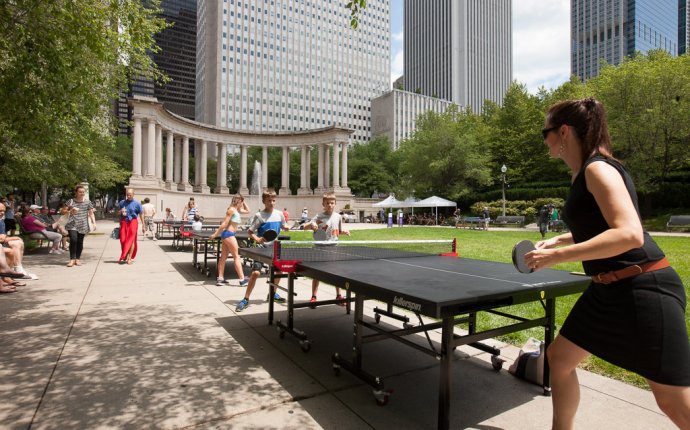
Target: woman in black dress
[(633, 312)]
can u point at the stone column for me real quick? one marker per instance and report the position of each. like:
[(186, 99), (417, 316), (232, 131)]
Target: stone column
[(343, 169), (285, 173), (197, 164), (264, 168), (177, 160), (151, 150), (222, 170), (243, 171), (159, 153), (169, 152), (184, 180), (136, 148), (304, 169), (201, 186), (320, 186), (327, 167), (309, 169), (336, 166)]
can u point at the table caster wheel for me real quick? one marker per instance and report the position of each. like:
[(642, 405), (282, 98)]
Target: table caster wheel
[(381, 397), (497, 362), (305, 345)]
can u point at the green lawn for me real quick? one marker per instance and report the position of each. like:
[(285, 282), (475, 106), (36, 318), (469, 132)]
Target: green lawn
[(497, 246)]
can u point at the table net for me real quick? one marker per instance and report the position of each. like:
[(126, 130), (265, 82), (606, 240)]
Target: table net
[(348, 250)]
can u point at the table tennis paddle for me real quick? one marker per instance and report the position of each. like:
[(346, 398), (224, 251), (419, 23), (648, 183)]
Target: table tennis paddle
[(519, 251), (270, 235), (320, 235)]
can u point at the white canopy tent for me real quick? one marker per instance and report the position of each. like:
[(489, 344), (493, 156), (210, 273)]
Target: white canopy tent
[(434, 202), (388, 202)]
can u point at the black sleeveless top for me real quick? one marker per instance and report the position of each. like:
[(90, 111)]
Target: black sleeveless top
[(585, 220)]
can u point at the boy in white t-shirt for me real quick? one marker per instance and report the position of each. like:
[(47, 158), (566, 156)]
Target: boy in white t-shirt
[(330, 221)]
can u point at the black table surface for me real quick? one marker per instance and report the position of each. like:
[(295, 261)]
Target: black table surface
[(438, 286)]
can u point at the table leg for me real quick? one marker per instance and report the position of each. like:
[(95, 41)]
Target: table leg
[(445, 374), (549, 333)]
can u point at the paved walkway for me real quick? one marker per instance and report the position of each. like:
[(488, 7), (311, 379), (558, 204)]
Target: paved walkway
[(158, 345)]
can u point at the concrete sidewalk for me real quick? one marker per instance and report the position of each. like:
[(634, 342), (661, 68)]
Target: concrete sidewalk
[(158, 345)]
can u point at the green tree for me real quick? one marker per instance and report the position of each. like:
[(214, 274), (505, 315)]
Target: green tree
[(62, 63), (446, 155), (355, 7), (515, 138), (372, 167), (648, 108)]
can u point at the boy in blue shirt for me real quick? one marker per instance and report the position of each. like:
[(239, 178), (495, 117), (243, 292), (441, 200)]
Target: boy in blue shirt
[(268, 218)]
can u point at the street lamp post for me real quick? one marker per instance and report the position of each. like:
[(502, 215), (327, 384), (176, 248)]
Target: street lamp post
[(504, 169)]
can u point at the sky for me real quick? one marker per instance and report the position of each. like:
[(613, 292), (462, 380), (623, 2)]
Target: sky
[(541, 41)]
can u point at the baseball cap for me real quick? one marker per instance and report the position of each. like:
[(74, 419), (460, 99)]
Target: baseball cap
[(34, 207)]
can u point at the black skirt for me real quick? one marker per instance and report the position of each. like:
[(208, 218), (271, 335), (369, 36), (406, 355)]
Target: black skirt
[(637, 324)]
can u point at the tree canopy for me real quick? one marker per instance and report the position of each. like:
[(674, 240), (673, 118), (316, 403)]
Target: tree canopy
[(62, 64)]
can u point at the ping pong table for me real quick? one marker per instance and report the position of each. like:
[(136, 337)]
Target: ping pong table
[(448, 289), (203, 244)]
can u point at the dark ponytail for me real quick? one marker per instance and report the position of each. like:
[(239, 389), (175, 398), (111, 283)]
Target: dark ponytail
[(588, 119)]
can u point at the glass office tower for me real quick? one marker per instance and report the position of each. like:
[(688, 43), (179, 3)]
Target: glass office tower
[(683, 24), (611, 30), (177, 57)]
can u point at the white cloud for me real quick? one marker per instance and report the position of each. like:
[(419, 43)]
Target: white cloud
[(541, 43), (397, 64), (399, 36)]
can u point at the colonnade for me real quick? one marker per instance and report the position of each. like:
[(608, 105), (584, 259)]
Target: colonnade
[(150, 136)]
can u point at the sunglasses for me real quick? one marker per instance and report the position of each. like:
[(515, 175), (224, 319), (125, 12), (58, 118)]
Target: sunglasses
[(545, 131)]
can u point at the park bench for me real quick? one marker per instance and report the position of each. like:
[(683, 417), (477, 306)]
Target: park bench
[(678, 221), (472, 222), (558, 225), (517, 220)]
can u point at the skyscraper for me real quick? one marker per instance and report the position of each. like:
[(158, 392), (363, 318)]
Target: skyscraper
[(614, 29), (683, 24), (459, 50), (287, 65), (176, 58)]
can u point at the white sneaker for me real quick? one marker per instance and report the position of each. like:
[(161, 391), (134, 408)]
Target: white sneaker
[(33, 276), (54, 251)]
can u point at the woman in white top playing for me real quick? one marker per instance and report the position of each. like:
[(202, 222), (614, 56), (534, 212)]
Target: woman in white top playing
[(229, 244)]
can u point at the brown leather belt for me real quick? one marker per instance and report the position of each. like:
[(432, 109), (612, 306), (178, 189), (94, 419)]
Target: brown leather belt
[(629, 272)]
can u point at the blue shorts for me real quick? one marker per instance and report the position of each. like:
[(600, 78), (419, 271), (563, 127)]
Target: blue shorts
[(225, 234)]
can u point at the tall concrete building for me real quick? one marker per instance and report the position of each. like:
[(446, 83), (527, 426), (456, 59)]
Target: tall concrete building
[(459, 50), (287, 65), (611, 30), (394, 114)]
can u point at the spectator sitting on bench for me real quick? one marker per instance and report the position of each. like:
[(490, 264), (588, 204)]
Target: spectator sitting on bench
[(31, 225), (13, 247), (51, 225)]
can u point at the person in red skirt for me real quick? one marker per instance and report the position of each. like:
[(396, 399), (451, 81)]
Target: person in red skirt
[(130, 211)]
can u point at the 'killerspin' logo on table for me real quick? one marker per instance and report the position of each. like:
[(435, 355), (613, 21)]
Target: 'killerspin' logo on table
[(399, 301)]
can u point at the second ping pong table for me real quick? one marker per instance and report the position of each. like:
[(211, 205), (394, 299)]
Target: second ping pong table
[(449, 289)]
